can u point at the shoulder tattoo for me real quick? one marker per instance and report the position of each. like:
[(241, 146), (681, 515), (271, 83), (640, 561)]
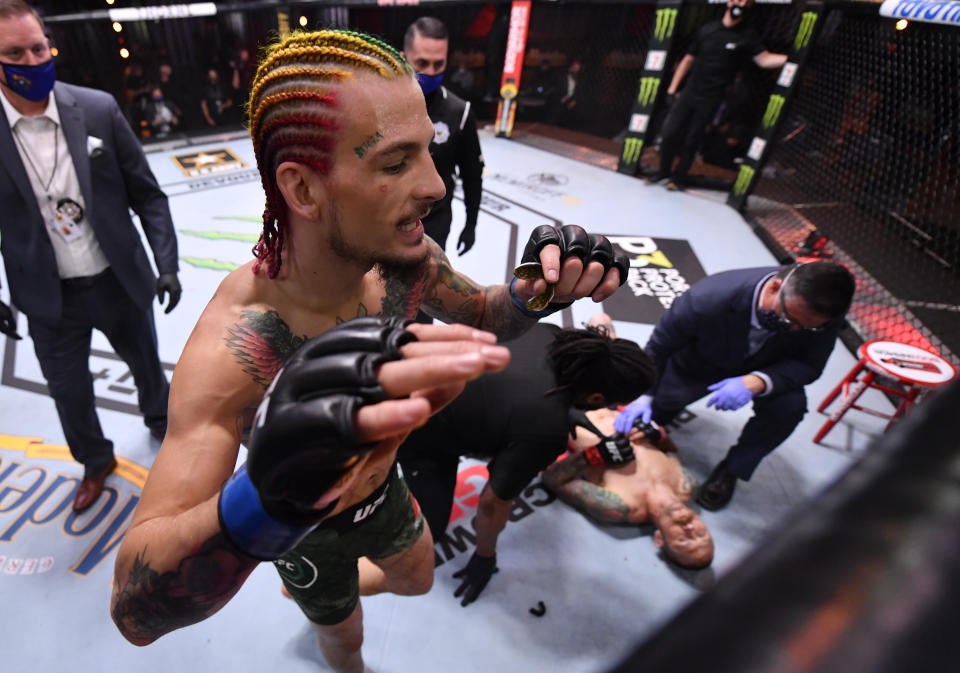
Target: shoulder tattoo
[(261, 343)]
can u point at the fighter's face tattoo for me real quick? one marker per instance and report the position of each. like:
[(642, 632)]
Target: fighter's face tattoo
[(368, 144), (261, 343)]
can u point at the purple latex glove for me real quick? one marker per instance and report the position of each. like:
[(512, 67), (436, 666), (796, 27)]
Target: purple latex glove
[(639, 408), (729, 394)]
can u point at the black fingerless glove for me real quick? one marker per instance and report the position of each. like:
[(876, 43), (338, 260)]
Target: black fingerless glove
[(303, 437), (613, 450)]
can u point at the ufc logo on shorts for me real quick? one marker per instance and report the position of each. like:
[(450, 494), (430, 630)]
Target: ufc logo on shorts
[(364, 512)]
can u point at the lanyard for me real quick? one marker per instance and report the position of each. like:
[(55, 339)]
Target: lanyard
[(33, 166)]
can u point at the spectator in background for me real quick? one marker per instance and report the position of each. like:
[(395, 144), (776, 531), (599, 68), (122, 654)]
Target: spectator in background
[(242, 70), (215, 101), (462, 80), (161, 119), (173, 94), (136, 92)]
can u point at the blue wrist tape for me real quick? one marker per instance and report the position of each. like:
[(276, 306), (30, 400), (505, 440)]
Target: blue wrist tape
[(522, 305), (248, 526)]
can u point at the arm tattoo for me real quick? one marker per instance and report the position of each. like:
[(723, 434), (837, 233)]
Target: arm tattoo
[(261, 343), (501, 317), (151, 604), (368, 144), (454, 297), (599, 503)]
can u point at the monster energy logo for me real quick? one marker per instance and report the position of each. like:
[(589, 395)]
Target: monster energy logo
[(631, 150), (648, 90), (774, 106), (744, 178), (805, 30), (666, 19)]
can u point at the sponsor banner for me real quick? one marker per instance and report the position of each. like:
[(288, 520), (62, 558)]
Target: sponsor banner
[(756, 148), (744, 178), (656, 58), (208, 162), (807, 21), (638, 123), (632, 147), (772, 113), (666, 21), (648, 91), (661, 269), (786, 74), (929, 12), (512, 66), (183, 11)]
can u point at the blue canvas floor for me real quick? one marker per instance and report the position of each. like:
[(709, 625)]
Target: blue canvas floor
[(604, 589)]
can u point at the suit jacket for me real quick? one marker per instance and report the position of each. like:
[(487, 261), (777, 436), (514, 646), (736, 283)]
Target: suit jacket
[(705, 334), (114, 178)]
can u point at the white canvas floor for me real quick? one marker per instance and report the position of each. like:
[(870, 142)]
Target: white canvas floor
[(604, 589)]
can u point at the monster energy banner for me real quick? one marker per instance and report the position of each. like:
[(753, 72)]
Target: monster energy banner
[(773, 113), (661, 269), (665, 24)]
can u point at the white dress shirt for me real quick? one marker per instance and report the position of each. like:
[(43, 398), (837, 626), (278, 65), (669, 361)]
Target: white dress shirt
[(46, 158)]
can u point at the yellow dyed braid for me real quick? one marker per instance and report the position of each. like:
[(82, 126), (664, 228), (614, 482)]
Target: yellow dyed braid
[(292, 111)]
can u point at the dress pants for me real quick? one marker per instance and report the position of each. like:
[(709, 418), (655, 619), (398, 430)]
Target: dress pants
[(63, 350), (775, 416), (683, 132)]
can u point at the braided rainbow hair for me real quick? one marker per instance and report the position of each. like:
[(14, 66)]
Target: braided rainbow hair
[(293, 115)]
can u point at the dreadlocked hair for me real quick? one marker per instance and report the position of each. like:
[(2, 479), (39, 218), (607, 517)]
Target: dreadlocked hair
[(588, 361), (293, 115)]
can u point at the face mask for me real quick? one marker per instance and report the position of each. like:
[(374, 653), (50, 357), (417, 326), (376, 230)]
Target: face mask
[(428, 83), (770, 321), (738, 12), (33, 82), (158, 99)]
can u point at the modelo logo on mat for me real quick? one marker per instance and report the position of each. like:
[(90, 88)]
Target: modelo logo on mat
[(36, 514), (661, 269)]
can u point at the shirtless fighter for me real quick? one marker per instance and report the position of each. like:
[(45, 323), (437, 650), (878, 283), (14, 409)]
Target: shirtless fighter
[(615, 480), (341, 136)]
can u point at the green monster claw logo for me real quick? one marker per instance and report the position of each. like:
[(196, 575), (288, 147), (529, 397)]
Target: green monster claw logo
[(772, 113), (666, 20), (744, 178), (805, 30), (631, 150), (648, 90)]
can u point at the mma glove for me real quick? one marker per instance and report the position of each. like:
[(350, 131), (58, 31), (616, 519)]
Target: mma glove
[(729, 394), (651, 431), (8, 324), (614, 450), (475, 575), (303, 437), (640, 409), (573, 241)]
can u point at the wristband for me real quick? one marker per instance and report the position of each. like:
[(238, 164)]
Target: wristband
[(592, 454), (522, 305), (248, 526)]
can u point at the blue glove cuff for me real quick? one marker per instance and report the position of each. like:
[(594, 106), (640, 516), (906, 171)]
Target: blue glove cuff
[(522, 305), (248, 526)]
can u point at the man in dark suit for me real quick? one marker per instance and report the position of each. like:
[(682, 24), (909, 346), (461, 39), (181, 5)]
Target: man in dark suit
[(70, 170), (751, 334)]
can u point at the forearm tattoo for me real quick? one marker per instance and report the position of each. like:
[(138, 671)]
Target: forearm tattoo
[(261, 343), (151, 604), (501, 317), (562, 477)]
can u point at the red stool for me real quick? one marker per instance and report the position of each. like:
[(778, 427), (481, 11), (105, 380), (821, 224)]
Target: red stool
[(915, 368)]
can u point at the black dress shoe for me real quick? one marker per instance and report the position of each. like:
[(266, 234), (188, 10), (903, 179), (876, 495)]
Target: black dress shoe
[(655, 177), (718, 488)]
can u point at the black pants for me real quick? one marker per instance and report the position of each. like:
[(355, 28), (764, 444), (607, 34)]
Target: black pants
[(683, 132), (431, 476), (775, 416), (436, 225), (63, 350)]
